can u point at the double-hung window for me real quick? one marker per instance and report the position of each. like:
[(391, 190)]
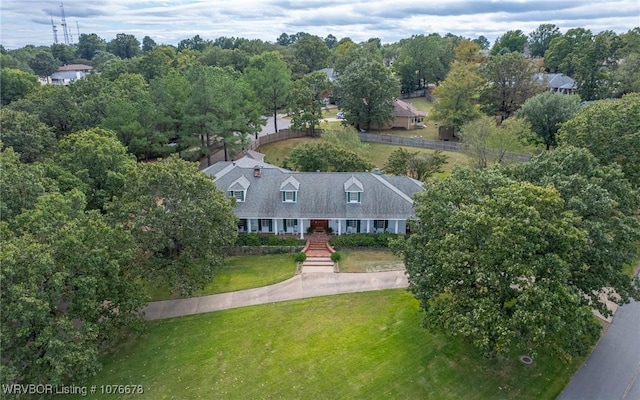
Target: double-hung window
[(354, 197), (238, 194), (289, 196)]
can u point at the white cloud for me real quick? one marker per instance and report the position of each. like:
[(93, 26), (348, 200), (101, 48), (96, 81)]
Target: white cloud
[(29, 22)]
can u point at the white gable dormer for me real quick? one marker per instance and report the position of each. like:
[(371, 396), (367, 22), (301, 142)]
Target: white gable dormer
[(289, 190), (353, 189), (238, 189)]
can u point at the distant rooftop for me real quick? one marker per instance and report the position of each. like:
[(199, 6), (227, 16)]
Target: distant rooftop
[(75, 67)]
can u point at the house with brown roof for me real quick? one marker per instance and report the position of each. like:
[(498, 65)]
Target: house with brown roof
[(406, 116), (68, 74), (76, 68)]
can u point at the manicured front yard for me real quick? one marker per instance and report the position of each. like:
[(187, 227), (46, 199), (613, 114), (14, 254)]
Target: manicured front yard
[(367, 345), (242, 272), (369, 261)]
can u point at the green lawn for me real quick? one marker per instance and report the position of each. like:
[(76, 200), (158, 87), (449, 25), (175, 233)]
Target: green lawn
[(367, 345), (369, 261), (378, 153), (241, 272), (275, 152)]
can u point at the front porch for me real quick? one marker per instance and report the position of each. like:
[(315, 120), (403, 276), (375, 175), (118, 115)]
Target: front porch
[(338, 226)]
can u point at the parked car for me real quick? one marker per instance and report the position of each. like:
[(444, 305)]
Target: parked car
[(340, 115)]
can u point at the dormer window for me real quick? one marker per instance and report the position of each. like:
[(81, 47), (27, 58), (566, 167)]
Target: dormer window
[(353, 189), (238, 194), (289, 189), (289, 197), (238, 189)]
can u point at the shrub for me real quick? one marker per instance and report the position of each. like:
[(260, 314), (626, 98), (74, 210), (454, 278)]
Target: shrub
[(363, 240), (300, 257), (329, 230), (256, 239), (248, 239), (335, 257)]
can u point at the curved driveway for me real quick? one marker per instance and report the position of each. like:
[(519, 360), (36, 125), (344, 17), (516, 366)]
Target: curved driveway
[(612, 371), (299, 287)]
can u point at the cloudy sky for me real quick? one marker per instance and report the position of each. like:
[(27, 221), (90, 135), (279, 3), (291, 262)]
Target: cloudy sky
[(167, 22)]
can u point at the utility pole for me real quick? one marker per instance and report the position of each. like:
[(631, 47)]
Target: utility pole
[(55, 31), (64, 26)]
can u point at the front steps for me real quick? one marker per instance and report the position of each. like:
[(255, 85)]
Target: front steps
[(318, 253), (318, 264)]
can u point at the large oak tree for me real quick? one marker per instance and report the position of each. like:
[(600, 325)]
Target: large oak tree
[(180, 222), (367, 91), (492, 260)]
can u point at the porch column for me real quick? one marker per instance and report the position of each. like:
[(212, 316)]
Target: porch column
[(396, 227), (248, 225), (301, 227), (339, 227), (275, 226), (368, 222)]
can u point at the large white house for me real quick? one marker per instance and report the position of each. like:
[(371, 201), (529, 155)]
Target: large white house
[(270, 199)]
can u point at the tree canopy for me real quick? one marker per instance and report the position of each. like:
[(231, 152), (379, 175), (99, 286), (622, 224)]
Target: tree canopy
[(16, 84), (26, 134), (179, 220), (68, 288), (611, 132), (606, 206), (100, 160), (306, 100), (367, 91), (546, 112), (510, 82), (270, 78), (494, 260), (458, 96)]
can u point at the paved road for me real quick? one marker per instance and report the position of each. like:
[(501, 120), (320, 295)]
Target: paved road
[(269, 128), (299, 287), (612, 371)]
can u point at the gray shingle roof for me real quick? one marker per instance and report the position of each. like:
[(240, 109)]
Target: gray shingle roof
[(242, 183), (353, 185), (290, 184), (320, 195)]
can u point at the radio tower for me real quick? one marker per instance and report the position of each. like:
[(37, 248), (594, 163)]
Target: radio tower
[(64, 26), (55, 32)]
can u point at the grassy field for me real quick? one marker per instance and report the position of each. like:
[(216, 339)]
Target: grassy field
[(378, 153), (242, 272), (367, 345), (369, 261)]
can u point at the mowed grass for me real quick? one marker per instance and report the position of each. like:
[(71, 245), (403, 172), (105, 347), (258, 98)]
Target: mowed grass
[(377, 153), (367, 345), (239, 273), (369, 261)]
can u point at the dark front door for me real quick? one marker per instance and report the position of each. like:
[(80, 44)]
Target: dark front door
[(318, 224)]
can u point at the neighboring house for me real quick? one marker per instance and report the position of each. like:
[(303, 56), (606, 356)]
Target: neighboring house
[(270, 199), (406, 116), (558, 83), (66, 78), (68, 74), (331, 73), (76, 68)]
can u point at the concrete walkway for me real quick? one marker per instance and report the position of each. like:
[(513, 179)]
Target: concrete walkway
[(299, 287)]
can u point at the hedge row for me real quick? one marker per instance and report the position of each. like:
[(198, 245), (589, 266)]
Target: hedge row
[(362, 240), (256, 239)]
